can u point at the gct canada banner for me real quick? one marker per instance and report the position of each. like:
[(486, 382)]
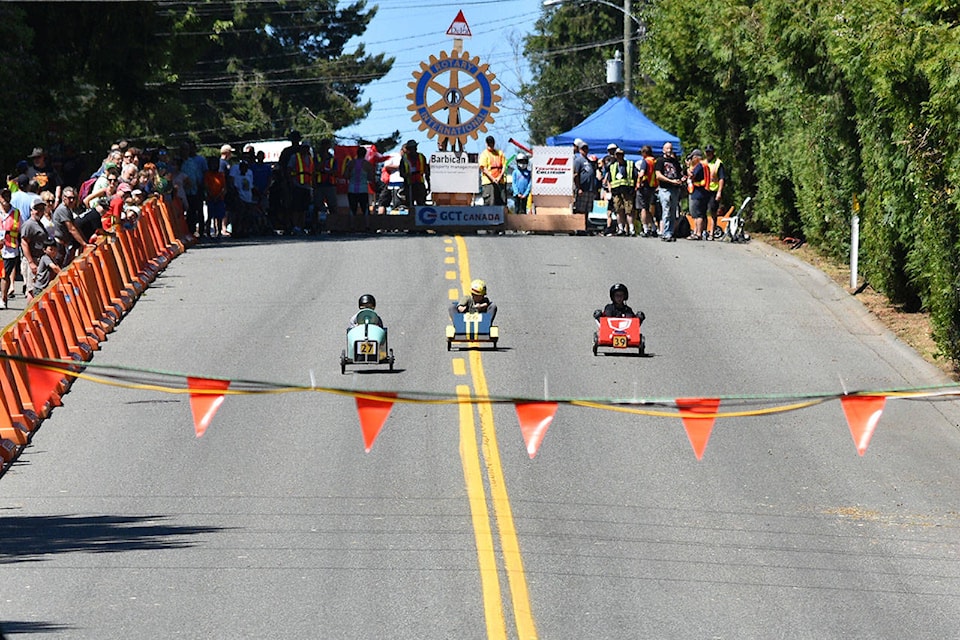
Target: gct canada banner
[(436, 216)]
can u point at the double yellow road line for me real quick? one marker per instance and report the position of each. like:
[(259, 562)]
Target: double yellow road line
[(475, 469)]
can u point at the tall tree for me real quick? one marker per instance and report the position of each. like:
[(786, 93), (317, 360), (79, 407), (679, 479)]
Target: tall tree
[(568, 52)]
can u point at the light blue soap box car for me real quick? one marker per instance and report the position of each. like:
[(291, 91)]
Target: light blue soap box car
[(472, 327), (366, 343)]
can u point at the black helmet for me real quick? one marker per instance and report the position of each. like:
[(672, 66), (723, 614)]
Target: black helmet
[(619, 287), (367, 300)]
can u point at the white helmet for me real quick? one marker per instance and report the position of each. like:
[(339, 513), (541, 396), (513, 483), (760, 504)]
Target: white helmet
[(521, 158)]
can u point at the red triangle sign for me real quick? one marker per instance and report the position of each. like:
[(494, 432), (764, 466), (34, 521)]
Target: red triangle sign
[(535, 419), (698, 428), (459, 27), (204, 401), (863, 414), (373, 412)]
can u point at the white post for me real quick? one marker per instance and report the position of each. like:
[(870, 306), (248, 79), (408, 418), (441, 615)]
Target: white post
[(854, 250)]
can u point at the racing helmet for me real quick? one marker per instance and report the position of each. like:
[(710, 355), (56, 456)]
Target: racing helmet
[(478, 287), (619, 287), (522, 158), (367, 300)]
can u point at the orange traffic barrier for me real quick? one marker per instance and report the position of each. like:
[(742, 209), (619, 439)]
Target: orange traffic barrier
[(16, 395), (70, 319)]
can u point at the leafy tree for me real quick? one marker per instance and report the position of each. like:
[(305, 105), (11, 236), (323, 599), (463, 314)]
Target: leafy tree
[(568, 52)]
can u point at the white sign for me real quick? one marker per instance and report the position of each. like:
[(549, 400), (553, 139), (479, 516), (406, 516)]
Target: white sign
[(552, 169), (459, 216), (452, 172)]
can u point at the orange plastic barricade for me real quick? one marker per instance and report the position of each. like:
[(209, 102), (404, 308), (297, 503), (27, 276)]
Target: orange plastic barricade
[(16, 394), (174, 237), (74, 338), (19, 338), (88, 331), (39, 342), (127, 261), (10, 427), (121, 290), (98, 278)]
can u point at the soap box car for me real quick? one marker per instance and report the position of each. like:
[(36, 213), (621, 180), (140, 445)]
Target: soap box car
[(366, 343), (619, 334), (472, 327)]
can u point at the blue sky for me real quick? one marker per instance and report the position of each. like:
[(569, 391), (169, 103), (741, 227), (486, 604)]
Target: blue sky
[(413, 30)]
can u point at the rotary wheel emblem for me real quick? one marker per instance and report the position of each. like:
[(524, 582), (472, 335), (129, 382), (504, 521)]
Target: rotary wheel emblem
[(469, 102)]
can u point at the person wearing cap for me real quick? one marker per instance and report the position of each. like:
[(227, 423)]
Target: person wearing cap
[(522, 181), (43, 173), (32, 236), (47, 267), (584, 180), (621, 179), (9, 244), (718, 176), (698, 179), (493, 174), (65, 230), (416, 175), (296, 163), (605, 163), (670, 176)]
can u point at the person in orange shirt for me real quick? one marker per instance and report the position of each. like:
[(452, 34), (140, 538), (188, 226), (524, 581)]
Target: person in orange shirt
[(493, 174)]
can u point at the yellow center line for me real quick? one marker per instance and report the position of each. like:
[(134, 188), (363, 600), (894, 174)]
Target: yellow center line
[(486, 554), (510, 545)]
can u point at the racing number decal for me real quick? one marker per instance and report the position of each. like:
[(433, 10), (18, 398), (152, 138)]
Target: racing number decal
[(619, 342), (366, 348)]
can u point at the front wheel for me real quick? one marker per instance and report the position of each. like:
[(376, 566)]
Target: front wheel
[(391, 359), (449, 345)]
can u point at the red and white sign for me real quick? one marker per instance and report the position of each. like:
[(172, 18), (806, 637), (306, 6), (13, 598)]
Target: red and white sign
[(552, 169), (459, 27)]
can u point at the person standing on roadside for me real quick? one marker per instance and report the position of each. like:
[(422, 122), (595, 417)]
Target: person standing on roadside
[(10, 247), (522, 181), (65, 230), (621, 179), (296, 161), (193, 167), (416, 175), (670, 177), (325, 198), (493, 174), (584, 180), (361, 176), (647, 192), (718, 176), (698, 180), (32, 237)]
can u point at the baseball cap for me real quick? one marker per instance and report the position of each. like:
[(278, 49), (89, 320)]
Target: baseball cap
[(612, 146), (410, 144), (709, 148), (618, 150), (696, 153), (123, 187), (226, 148), (578, 143)]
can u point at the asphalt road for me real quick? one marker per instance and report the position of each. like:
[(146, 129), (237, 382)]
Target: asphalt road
[(118, 523)]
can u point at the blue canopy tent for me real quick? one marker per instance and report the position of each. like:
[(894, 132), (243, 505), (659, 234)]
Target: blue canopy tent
[(620, 122)]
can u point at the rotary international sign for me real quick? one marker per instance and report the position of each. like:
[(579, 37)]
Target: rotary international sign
[(453, 97)]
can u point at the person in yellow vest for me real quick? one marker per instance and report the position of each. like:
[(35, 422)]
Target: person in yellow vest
[(698, 179), (647, 192), (416, 175), (621, 179), (718, 176), (493, 174), (296, 162)]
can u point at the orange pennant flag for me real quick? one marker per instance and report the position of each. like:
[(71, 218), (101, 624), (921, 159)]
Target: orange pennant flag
[(863, 414), (698, 428), (373, 413), (535, 419), (43, 384), (204, 405)]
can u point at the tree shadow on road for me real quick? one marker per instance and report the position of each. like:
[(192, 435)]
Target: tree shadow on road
[(31, 538)]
